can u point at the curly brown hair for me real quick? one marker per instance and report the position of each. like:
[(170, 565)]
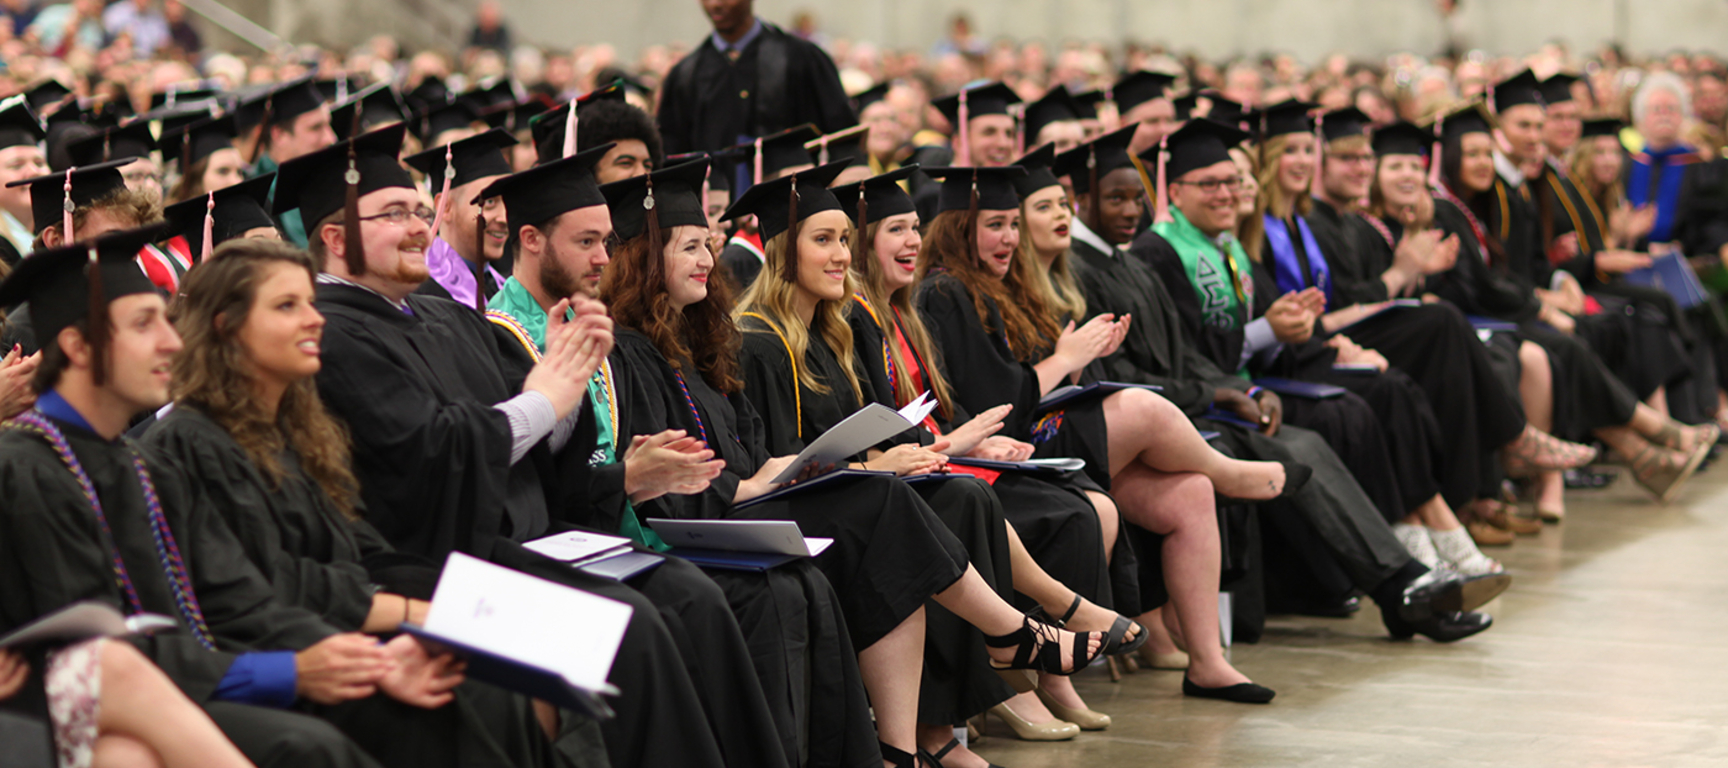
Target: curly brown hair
[(1031, 322), (634, 288), (132, 207), (212, 374)]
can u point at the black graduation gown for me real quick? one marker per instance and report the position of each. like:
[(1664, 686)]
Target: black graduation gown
[(1051, 513), (1701, 229), (741, 264), (986, 373), (1587, 395), (19, 331), (958, 682), (54, 555), (433, 459), (779, 81)]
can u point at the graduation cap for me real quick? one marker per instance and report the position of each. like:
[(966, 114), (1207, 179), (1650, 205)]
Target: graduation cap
[(429, 93), (871, 95), (551, 127), (781, 203), (849, 144), (337, 88), (993, 188), (717, 165), (475, 157), (877, 197), (449, 116), (1606, 126), (279, 104), (544, 192), (77, 282), (1138, 88), (51, 203), (1402, 138), (1086, 104), (176, 96), (671, 197), (1086, 164), (1039, 164), (1055, 107), (1522, 88), (174, 118), (481, 98), (1285, 117), (1558, 88), (130, 140), (513, 117), (333, 179), (774, 153), (988, 99), (378, 105), (221, 215), (19, 125), (195, 141), (1469, 118), (1198, 144), (1342, 123), (46, 94)]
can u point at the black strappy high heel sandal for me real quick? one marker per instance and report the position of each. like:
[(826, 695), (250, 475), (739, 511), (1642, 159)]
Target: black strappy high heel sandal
[(1113, 642), (1038, 647), (936, 759), (903, 759)]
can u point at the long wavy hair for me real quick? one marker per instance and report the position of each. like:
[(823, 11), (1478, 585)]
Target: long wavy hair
[(1272, 198), (1452, 175), (213, 373), (634, 288), (773, 296), (1056, 285), (899, 306), (1031, 323)]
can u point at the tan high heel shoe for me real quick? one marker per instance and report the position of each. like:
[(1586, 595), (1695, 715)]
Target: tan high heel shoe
[(1085, 718), (1172, 660), (1055, 730)]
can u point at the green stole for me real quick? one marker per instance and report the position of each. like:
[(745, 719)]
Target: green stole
[(1223, 279)]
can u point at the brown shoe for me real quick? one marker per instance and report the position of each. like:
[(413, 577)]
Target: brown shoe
[(1486, 535), (1505, 518)]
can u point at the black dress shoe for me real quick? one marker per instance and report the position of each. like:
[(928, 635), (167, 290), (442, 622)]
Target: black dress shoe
[(1447, 591), (1296, 475), (1441, 627), (1241, 693), (1585, 478)]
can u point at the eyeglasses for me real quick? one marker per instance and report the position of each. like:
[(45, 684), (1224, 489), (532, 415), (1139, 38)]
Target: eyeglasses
[(1353, 158), (1214, 186), (399, 216)]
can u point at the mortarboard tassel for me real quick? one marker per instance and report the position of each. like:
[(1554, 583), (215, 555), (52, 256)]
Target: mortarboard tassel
[(1147, 187), (67, 207), (570, 130), (706, 172), (1096, 224), (972, 220), (790, 253), (209, 227), (1161, 192), (264, 128), (341, 87), (98, 322), (1018, 112), (822, 154), (444, 195), (353, 251), (756, 176), (960, 131), (1315, 186), (480, 262), (1434, 156), (655, 245)]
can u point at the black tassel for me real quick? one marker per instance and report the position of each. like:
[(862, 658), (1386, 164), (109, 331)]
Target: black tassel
[(353, 251), (264, 131), (98, 322), (480, 262), (790, 268), (972, 223), (656, 253)]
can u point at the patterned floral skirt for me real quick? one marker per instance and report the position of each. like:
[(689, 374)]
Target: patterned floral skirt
[(74, 684)]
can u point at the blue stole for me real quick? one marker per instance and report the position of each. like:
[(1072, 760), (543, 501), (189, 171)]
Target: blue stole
[(1667, 196), (1286, 268)]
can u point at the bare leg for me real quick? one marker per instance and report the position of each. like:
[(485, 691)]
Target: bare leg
[(1031, 580), (1181, 508), (1536, 386), (113, 751), (139, 702), (1658, 401), (1434, 513), (891, 668), (1148, 429)]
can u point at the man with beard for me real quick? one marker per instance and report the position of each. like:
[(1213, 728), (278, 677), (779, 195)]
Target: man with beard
[(472, 233)]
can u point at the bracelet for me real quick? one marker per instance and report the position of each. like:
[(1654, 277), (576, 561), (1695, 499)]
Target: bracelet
[(1254, 391)]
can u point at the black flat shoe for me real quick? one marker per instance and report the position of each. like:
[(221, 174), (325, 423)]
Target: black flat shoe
[(1441, 627), (1241, 693), (1296, 475)]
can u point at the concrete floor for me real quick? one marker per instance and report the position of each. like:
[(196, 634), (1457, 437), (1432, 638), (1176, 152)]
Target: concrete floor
[(1610, 649)]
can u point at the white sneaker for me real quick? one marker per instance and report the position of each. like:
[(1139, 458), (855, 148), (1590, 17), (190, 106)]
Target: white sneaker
[(1456, 548), (1415, 539)]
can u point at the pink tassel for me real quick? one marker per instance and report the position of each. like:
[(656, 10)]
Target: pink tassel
[(960, 131), (444, 196), (706, 173), (67, 207), (1314, 185), (1434, 156), (822, 154), (1161, 197), (570, 130), (1019, 131), (757, 177), (209, 227)]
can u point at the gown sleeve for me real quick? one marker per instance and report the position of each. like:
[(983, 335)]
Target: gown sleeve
[(981, 370)]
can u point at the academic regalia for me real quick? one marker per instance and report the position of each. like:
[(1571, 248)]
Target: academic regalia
[(741, 260), (709, 101)]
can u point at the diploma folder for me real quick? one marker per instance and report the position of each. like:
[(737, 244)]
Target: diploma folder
[(1061, 396), (1039, 466), (526, 634), (1671, 273), (869, 426), (739, 545), (82, 621), (1307, 390)]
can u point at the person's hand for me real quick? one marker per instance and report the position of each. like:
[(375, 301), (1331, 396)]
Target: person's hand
[(16, 392), (1617, 262), (14, 670), (905, 460), (1271, 412), (558, 375), (966, 437), (340, 668), (1628, 225), (1351, 353), (1561, 321), (1118, 333), (1000, 448), (418, 678), (1239, 403), (1077, 347), (760, 483), (668, 462), (1292, 316)]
